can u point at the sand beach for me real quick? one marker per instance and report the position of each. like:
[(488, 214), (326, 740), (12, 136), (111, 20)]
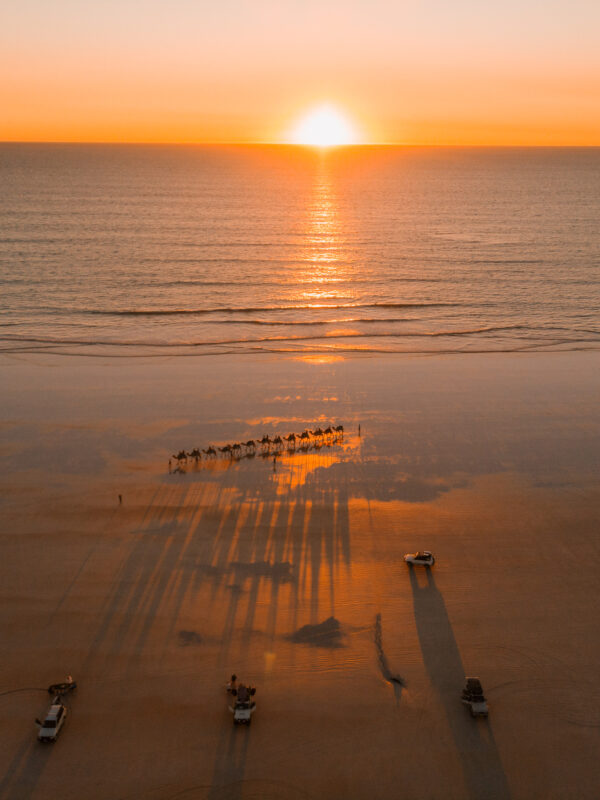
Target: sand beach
[(291, 575)]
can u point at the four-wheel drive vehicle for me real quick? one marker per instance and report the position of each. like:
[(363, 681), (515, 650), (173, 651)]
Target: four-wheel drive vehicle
[(423, 557), (55, 719), (242, 712), (243, 705), (472, 696)]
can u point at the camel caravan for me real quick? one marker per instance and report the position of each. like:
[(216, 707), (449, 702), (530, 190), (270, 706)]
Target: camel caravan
[(266, 446)]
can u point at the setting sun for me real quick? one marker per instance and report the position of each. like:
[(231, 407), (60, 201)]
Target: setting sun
[(324, 126)]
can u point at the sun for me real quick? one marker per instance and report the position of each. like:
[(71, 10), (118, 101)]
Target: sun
[(324, 126)]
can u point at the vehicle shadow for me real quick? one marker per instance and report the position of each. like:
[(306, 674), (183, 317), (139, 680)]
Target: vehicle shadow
[(227, 781), (480, 761), (25, 770)]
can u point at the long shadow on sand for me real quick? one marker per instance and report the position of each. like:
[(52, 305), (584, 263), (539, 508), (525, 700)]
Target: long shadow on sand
[(482, 768), (239, 539), (230, 764), (237, 559), (25, 770), (395, 680), (291, 535)]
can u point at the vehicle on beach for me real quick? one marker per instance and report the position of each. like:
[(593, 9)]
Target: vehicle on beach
[(57, 713), (243, 706), (53, 721), (472, 696), (423, 557)]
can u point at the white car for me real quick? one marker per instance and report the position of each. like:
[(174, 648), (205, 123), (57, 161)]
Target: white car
[(55, 719), (423, 557), (473, 697), (242, 712)]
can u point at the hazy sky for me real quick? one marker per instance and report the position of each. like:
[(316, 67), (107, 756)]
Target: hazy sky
[(468, 71)]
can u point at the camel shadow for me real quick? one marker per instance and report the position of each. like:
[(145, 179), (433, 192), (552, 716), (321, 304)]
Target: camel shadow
[(292, 540), (474, 742), (242, 542)]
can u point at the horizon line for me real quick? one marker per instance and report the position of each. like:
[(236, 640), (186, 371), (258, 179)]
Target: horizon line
[(238, 143)]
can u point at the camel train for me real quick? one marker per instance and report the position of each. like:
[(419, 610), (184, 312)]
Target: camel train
[(266, 446)]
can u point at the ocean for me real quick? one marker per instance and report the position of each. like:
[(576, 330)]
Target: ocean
[(196, 250)]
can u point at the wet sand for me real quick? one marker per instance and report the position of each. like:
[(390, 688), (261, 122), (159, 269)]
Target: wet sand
[(293, 578)]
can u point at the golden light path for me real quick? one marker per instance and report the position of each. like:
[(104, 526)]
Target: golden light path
[(324, 126), (325, 277)]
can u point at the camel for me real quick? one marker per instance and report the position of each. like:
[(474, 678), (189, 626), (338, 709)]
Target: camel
[(304, 441)]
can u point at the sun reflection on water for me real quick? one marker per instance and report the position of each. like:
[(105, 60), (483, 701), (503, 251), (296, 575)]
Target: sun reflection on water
[(324, 252), (320, 358)]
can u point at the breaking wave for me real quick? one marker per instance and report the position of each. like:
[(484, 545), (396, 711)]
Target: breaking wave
[(526, 336), (164, 312)]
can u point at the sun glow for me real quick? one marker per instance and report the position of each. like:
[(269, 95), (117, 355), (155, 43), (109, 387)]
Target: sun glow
[(324, 126)]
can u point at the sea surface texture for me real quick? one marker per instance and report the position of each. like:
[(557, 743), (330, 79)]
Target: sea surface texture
[(155, 250)]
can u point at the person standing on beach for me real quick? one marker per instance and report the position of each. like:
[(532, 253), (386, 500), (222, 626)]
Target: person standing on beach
[(359, 428), (120, 499)]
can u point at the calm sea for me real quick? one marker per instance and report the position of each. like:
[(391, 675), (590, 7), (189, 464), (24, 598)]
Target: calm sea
[(143, 250)]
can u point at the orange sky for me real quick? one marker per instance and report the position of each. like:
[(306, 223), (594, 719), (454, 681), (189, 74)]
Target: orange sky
[(407, 71)]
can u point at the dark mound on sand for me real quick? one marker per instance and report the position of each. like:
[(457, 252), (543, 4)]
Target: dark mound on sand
[(189, 637), (325, 634)]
